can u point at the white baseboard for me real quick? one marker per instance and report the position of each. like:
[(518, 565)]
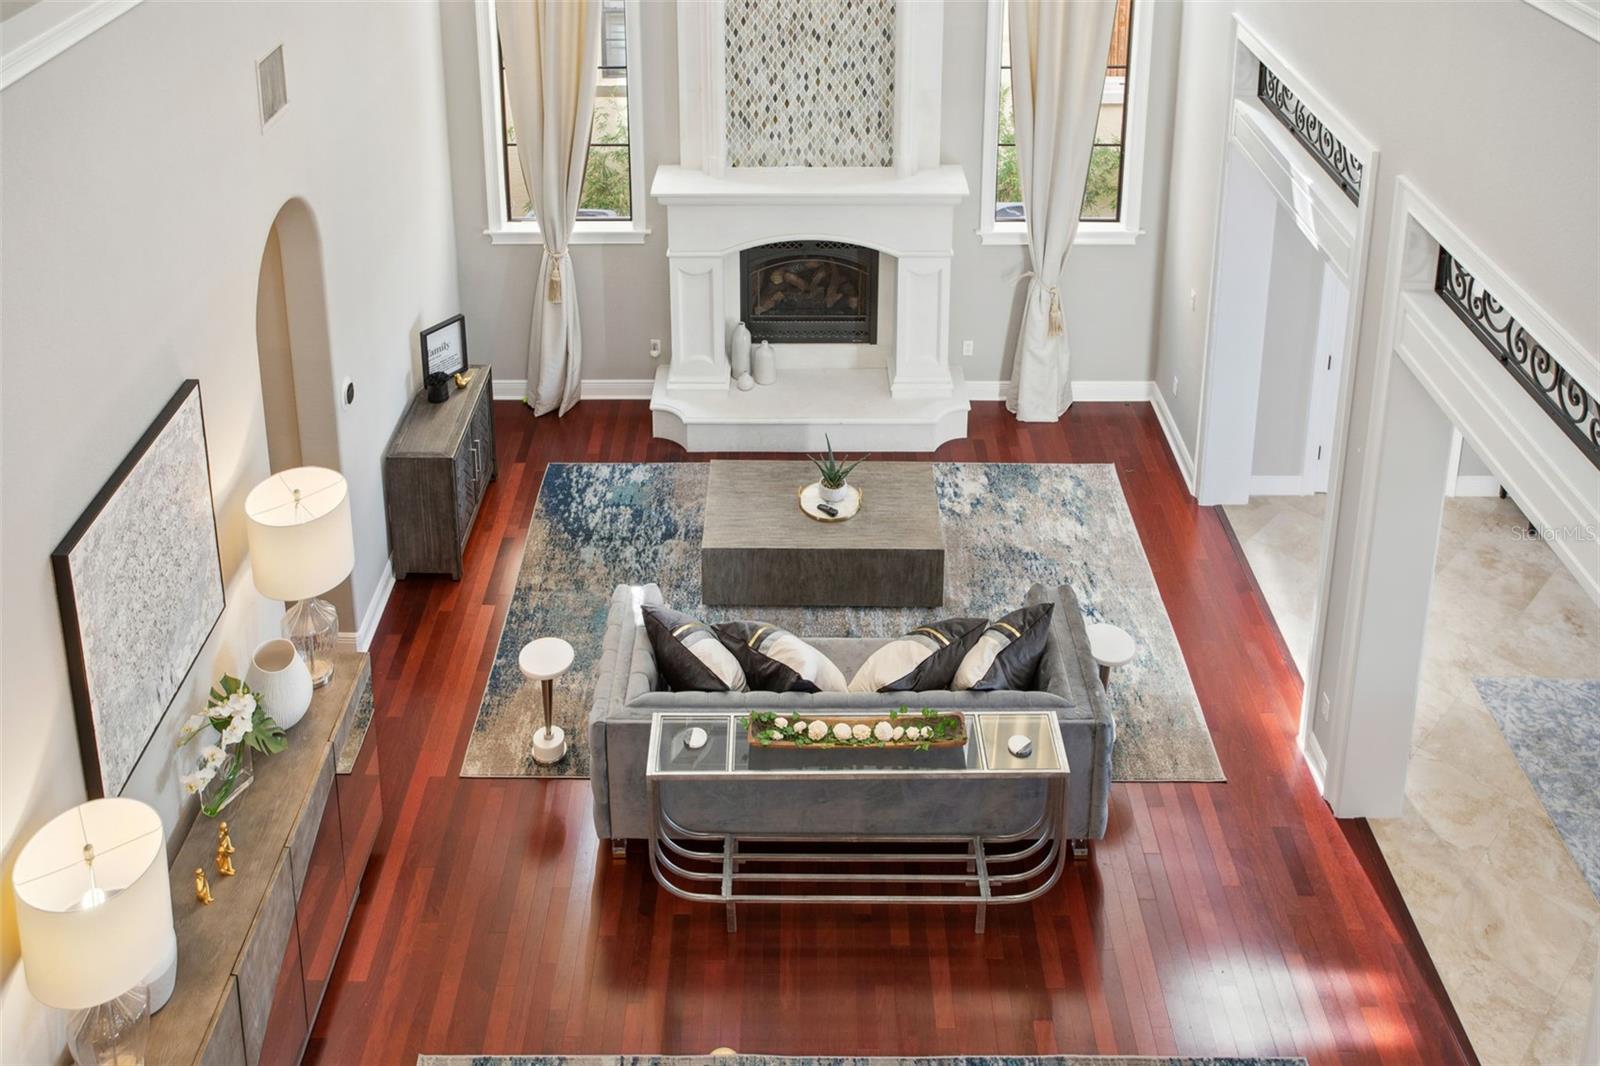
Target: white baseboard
[(1477, 485), (1087, 391), (987, 390), (1112, 391), (1082, 391), (1278, 485), (361, 639), (639, 389), (1169, 426), (591, 389)]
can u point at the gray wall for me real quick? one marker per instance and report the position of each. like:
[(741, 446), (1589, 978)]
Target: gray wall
[(1430, 85), (1109, 291), (1288, 352), (1403, 74), (138, 192)]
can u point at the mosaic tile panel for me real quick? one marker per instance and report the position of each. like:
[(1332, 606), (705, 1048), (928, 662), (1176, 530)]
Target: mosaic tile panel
[(810, 83)]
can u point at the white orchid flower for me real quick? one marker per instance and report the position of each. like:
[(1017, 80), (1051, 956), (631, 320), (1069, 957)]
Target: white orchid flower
[(193, 783), (191, 728), (212, 756)]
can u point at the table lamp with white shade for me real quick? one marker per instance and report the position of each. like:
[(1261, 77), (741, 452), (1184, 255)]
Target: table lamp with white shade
[(94, 917), (301, 546)]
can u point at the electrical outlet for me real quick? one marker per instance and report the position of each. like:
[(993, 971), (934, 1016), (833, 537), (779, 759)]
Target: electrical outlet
[(1194, 299), (966, 347), (1324, 710), (655, 347)]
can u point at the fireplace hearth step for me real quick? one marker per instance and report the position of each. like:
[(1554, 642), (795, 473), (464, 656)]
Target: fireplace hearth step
[(853, 407)]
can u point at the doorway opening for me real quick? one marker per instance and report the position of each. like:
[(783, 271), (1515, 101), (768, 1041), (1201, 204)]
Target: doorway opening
[(298, 402)]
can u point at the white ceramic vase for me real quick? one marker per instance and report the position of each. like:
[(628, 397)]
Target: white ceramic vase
[(739, 352), (280, 680), (765, 364), (837, 495)]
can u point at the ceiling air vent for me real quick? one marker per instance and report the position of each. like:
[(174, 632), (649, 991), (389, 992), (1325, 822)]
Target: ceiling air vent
[(271, 86)]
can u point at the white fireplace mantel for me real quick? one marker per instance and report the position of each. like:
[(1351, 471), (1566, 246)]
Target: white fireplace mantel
[(915, 402), (899, 393)]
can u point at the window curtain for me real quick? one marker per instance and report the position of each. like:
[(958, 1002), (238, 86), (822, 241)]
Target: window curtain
[(551, 52), (1058, 72)]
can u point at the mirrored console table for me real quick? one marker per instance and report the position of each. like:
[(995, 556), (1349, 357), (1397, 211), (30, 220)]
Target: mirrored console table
[(811, 865)]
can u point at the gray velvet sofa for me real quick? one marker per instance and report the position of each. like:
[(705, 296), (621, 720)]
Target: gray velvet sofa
[(628, 690)]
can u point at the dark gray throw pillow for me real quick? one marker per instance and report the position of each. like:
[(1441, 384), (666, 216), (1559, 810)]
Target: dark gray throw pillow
[(1007, 654), (924, 660), (775, 660), (689, 656)]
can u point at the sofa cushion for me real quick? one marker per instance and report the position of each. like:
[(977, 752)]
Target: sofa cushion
[(925, 659), (689, 654), (775, 660), (1007, 654)]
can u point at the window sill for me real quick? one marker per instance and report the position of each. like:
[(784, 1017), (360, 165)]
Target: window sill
[(601, 234), (1088, 233)]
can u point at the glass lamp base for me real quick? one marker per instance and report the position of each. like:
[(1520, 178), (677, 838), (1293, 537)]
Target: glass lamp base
[(114, 1032), (312, 626)]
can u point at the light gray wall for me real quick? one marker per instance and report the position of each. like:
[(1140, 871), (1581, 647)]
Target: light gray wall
[(1109, 291), (1431, 85), (1471, 465), (622, 288), (136, 194), (1288, 351)]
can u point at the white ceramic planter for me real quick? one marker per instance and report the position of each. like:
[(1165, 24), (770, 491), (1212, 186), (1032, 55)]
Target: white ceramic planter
[(280, 680), (838, 495)]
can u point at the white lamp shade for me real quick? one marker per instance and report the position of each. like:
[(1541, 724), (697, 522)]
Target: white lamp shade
[(79, 949), (298, 524)]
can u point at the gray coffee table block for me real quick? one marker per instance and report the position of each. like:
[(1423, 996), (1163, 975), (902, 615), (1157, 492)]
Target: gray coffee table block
[(759, 548)]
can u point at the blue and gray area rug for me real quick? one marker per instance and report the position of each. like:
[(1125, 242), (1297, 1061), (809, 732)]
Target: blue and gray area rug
[(1553, 728), (1006, 526), (820, 1060)]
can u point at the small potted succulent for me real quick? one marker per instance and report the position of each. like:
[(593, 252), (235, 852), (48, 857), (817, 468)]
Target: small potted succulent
[(835, 474)]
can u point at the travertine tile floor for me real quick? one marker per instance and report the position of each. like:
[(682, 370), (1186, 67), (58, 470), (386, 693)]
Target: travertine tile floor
[(1510, 922)]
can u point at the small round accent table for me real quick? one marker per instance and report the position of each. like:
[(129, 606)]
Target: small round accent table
[(1111, 647), (544, 660)]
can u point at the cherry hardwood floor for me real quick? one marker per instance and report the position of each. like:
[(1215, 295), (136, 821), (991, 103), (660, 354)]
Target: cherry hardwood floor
[(1216, 919)]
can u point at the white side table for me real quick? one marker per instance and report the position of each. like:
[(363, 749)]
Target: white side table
[(1111, 647), (544, 660)]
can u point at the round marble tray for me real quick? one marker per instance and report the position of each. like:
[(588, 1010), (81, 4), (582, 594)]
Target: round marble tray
[(848, 507)]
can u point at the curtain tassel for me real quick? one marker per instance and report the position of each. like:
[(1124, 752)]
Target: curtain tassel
[(1055, 313), (552, 291)]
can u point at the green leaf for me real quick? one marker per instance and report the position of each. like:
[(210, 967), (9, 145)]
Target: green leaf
[(266, 735)]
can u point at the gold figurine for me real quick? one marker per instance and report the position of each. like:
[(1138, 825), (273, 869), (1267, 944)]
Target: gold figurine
[(463, 377), (225, 850), (202, 891)]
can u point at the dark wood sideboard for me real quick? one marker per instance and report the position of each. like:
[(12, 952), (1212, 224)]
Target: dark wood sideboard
[(253, 965), (438, 466)]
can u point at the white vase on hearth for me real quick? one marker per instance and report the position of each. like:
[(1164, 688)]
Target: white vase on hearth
[(739, 352), (765, 364)]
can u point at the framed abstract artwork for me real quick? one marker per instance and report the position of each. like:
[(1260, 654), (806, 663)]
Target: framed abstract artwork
[(139, 582)]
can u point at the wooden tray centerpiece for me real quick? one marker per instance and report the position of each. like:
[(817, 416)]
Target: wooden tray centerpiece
[(900, 730)]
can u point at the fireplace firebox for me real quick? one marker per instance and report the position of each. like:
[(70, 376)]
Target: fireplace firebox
[(810, 292)]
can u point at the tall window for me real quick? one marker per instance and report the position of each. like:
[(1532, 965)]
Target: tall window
[(1108, 192), (608, 205)]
